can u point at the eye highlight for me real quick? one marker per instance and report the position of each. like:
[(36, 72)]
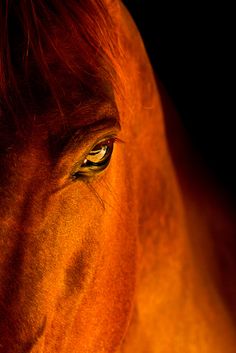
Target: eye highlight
[(96, 160)]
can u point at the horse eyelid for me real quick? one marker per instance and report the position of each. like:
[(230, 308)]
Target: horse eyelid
[(107, 138), (80, 174)]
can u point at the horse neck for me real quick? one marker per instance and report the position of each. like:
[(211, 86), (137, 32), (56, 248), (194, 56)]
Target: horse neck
[(180, 306), (184, 300)]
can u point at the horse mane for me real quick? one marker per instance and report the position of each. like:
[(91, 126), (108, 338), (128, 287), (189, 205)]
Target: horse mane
[(45, 46)]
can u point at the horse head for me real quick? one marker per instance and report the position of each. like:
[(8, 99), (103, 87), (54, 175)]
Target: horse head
[(92, 218)]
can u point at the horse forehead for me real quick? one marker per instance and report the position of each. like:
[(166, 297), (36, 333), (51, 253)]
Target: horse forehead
[(17, 140), (79, 105)]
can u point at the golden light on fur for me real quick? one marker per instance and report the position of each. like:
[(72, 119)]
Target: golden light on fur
[(129, 251)]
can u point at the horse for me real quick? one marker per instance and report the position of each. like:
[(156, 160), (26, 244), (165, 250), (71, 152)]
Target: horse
[(113, 239)]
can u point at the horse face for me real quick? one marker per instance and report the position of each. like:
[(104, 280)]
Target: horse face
[(67, 247), (68, 232)]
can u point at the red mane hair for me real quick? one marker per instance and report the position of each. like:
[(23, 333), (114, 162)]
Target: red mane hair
[(43, 43)]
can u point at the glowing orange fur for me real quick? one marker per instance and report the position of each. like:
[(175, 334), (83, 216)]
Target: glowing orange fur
[(129, 262)]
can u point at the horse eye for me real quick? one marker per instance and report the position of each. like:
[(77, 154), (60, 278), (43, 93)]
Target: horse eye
[(96, 160)]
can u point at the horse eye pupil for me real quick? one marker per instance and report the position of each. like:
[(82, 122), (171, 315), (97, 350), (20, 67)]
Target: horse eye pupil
[(97, 154), (96, 160)]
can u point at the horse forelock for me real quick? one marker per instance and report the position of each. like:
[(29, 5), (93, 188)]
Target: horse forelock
[(55, 54)]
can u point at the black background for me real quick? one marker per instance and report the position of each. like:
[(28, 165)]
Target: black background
[(191, 47)]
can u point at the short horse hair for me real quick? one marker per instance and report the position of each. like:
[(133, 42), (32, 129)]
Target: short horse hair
[(45, 46)]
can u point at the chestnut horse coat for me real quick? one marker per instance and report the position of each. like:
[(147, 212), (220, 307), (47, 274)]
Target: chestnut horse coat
[(112, 240)]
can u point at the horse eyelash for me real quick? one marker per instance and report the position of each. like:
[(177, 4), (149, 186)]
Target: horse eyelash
[(117, 139)]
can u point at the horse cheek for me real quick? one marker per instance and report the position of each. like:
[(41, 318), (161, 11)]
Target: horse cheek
[(106, 308), (96, 256)]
